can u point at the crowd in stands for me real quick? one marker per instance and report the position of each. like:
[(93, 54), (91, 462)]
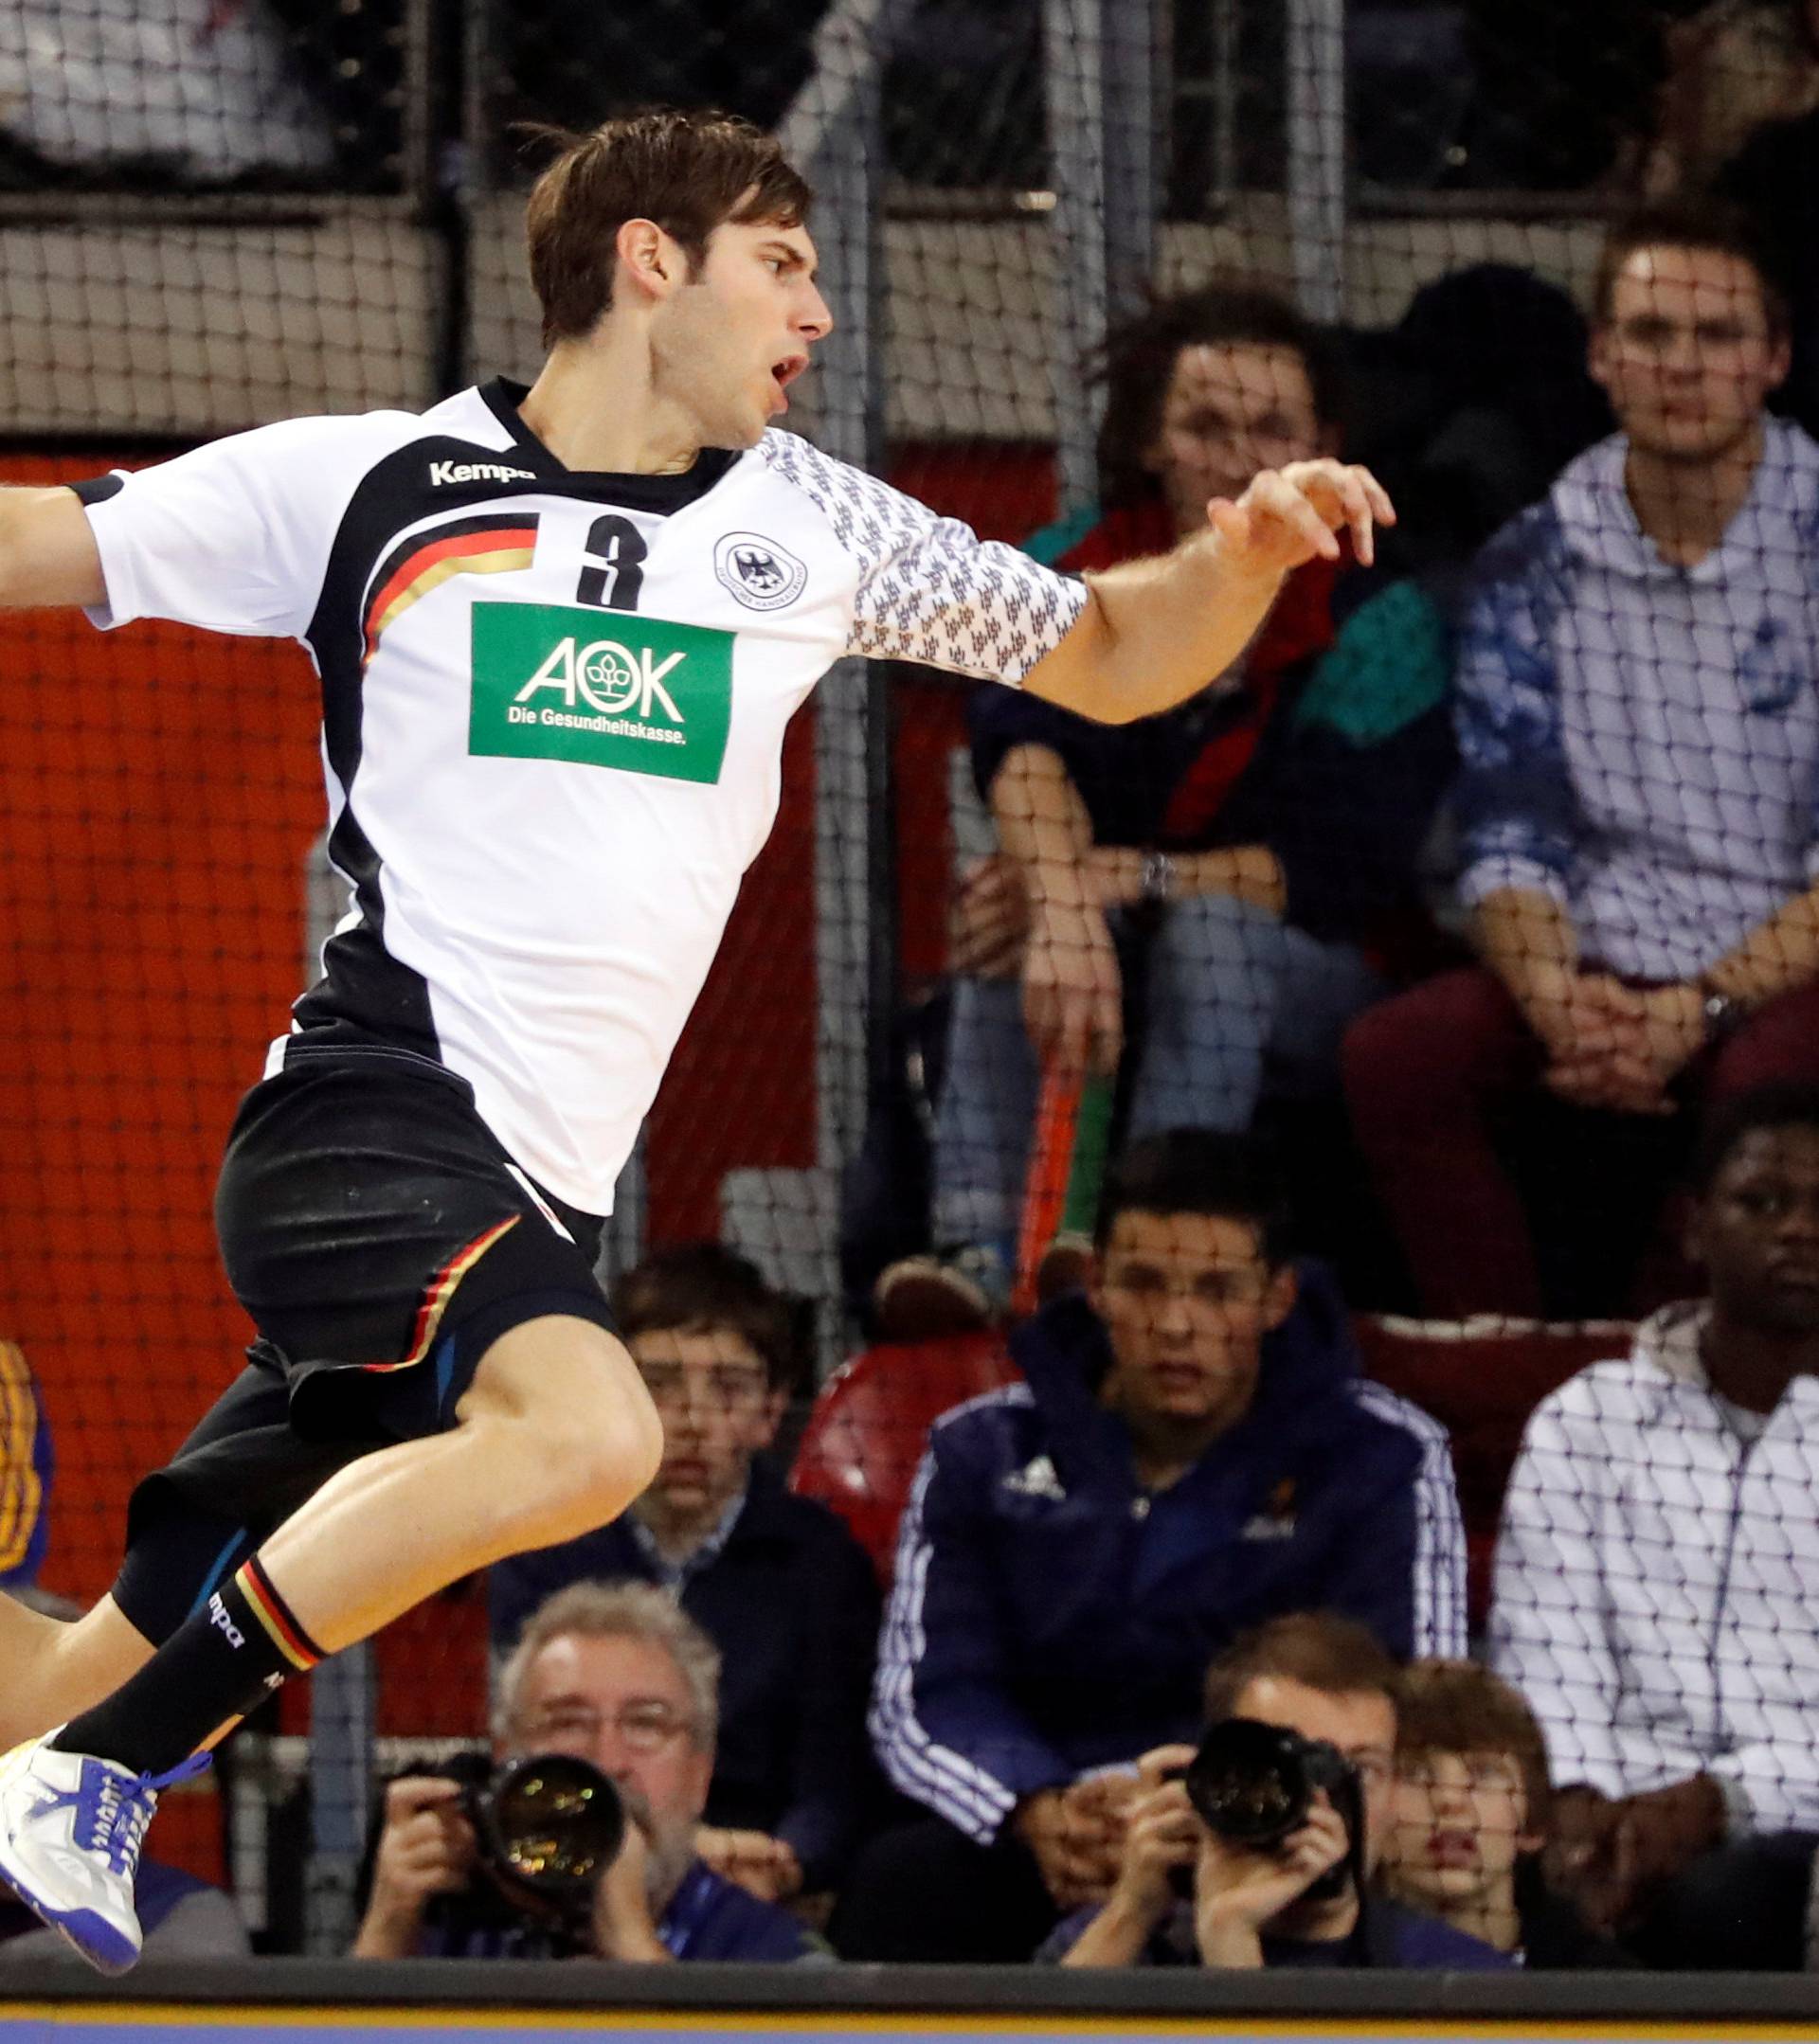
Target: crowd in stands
[(1486, 893)]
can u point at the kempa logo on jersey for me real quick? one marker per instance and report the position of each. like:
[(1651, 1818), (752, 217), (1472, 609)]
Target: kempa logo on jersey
[(476, 471), (758, 571), (600, 688)]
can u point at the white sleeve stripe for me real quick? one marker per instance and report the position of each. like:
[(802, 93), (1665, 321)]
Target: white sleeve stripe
[(1440, 1534), (947, 1780)]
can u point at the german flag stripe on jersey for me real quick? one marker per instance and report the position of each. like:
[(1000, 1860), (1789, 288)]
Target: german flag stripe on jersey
[(273, 1614), (425, 560), (436, 1295)]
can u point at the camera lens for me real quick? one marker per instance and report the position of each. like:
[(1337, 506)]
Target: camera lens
[(1249, 1781), (553, 1822)]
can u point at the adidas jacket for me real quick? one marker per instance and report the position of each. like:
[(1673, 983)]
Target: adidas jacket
[(1657, 1584), (1051, 1618)]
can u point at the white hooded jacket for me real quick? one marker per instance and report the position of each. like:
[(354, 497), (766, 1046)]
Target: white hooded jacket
[(1656, 1594)]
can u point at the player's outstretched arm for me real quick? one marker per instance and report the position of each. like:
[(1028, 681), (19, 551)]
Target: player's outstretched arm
[(48, 554), (1155, 631)]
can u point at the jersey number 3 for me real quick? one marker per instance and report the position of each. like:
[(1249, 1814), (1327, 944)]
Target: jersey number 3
[(615, 570)]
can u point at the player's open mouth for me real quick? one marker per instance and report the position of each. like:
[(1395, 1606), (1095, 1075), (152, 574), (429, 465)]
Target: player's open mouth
[(783, 373)]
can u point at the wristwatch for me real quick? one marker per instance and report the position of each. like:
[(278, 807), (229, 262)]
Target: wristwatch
[(1159, 877)]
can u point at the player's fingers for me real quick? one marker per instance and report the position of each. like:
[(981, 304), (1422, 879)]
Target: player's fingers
[(1382, 506), (1228, 521), (1286, 504), (1356, 501)]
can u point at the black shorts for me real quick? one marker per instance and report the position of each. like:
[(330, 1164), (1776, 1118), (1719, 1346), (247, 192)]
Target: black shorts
[(381, 1240)]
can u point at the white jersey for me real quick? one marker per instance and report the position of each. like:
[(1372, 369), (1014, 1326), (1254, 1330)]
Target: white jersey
[(552, 714)]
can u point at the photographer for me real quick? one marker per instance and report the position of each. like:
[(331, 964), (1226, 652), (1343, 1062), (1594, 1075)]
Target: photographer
[(1189, 1894), (617, 1675)]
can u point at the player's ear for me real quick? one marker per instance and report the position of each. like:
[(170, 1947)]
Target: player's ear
[(647, 259)]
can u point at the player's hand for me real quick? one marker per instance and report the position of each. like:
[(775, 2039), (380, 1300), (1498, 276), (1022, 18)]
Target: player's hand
[(1288, 516), (990, 919), (425, 1849), (762, 1866), (1074, 996), (1236, 1891), (1162, 1832)]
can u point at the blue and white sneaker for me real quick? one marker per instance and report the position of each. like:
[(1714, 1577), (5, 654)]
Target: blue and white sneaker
[(70, 1831)]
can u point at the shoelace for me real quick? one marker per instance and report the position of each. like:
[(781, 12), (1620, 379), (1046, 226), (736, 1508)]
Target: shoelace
[(122, 1807)]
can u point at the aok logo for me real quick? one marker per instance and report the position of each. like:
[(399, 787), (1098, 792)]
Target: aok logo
[(549, 684), (602, 675)]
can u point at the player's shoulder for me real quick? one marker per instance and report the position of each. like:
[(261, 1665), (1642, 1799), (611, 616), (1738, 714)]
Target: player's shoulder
[(339, 439), (859, 506)]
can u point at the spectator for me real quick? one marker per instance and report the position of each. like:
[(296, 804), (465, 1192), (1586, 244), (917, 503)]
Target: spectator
[(1305, 1902), (1191, 1452), (1242, 859), (1733, 67), (1471, 1808), (1774, 179), (184, 1918), (776, 1581), (620, 1677), (26, 1470), (1657, 1579), (1637, 715)]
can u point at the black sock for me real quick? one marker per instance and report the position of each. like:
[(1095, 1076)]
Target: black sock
[(221, 1661)]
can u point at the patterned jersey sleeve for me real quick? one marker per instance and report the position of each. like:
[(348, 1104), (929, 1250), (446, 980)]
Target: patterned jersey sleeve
[(234, 536), (931, 589)]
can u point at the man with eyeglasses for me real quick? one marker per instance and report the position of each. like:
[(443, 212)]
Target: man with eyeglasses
[(775, 1581), (618, 1676), (1638, 719), (1189, 1452)]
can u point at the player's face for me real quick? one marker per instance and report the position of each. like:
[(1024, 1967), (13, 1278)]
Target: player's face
[(1687, 354), (623, 1704), (1230, 410), (1756, 1231), (741, 332), (1186, 1299), (1459, 1822), (712, 1389)]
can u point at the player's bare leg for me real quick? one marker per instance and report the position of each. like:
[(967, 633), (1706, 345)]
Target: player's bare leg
[(56, 1667), (555, 1434)]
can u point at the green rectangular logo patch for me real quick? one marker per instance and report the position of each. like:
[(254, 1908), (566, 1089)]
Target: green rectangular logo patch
[(600, 688)]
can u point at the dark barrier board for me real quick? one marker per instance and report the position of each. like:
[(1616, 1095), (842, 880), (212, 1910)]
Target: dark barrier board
[(296, 2001)]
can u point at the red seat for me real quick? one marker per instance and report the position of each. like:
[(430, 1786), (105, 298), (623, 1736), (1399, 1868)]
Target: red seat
[(1481, 1379), (871, 1419)]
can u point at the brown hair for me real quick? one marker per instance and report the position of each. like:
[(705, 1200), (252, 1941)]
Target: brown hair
[(691, 173), (1696, 224), (1318, 1649), (1457, 1707), (700, 1284), (1137, 364)]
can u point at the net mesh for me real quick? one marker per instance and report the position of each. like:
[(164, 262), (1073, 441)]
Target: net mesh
[(1480, 879)]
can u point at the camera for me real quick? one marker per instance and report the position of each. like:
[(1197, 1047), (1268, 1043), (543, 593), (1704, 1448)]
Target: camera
[(546, 1827), (1252, 1784)]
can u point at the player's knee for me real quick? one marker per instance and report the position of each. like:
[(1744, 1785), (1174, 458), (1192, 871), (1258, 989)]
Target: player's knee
[(593, 1467)]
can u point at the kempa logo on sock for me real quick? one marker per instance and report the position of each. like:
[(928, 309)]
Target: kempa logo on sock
[(218, 1616)]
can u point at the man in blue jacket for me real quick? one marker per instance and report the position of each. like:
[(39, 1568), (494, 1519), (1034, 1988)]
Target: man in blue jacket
[(1190, 1453)]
